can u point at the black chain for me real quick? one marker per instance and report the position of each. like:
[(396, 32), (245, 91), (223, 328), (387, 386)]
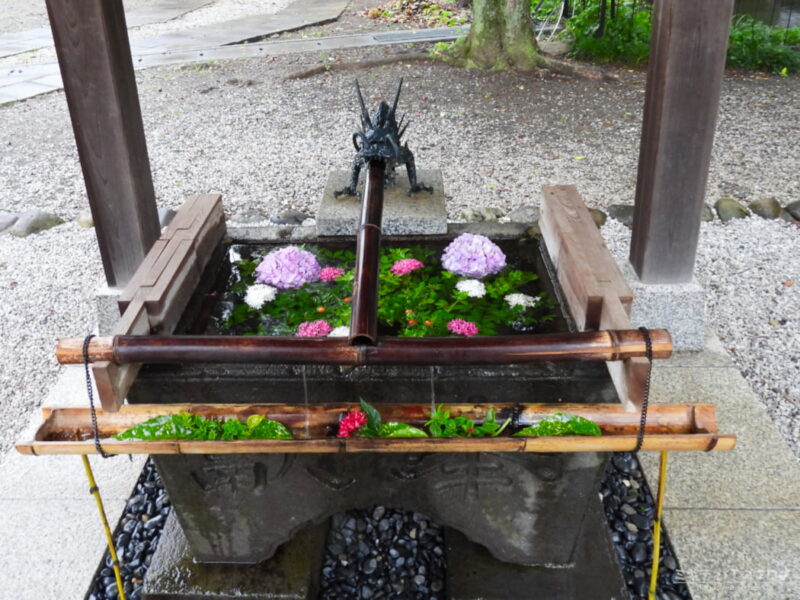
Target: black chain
[(646, 396), (90, 393)]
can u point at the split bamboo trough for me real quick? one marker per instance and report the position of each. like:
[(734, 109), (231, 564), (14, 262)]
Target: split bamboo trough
[(669, 427)]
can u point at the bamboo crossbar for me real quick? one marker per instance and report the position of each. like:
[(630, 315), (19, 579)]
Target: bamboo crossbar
[(608, 345), (364, 315), (669, 427)]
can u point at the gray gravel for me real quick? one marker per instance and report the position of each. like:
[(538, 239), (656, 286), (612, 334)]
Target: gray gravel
[(238, 128), (751, 273), (47, 287)]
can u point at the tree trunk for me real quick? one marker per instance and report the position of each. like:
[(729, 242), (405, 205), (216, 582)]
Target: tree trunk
[(501, 36)]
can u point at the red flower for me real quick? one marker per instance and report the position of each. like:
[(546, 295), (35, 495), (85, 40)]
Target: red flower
[(352, 421)]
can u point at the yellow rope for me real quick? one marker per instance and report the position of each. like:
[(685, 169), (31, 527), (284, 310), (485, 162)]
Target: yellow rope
[(662, 480), (95, 491)]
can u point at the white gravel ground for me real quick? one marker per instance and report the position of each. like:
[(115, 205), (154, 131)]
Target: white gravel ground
[(751, 273), (238, 128)]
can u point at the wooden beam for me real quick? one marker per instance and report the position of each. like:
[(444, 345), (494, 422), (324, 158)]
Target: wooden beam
[(91, 40), (585, 268), (684, 79)]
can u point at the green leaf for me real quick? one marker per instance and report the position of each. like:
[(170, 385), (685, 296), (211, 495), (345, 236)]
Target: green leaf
[(401, 430), (373, 417), (184, 426), (560, 424)]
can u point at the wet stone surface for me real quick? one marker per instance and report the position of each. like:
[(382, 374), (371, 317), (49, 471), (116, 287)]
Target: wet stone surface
[(383, 553)]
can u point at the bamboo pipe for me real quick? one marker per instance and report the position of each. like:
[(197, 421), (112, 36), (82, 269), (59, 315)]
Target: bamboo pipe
[(511, 349), (364, 315)]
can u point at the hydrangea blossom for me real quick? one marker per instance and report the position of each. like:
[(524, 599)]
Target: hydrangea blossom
[(463, 327), (259, 294), (522, 300), (351, 422), (471, 255), (341, 331), (472, 287), (330, 273), (406, 265), (288, 268), (314, 329)]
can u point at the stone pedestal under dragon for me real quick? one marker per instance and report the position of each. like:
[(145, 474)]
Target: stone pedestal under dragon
[(379, 140)]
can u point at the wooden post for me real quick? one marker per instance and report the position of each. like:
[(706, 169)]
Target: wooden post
[(687, 63), (91, 41)]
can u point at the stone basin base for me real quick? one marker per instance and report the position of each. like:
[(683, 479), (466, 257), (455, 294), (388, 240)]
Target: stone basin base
[(524, 508), (472, 573)]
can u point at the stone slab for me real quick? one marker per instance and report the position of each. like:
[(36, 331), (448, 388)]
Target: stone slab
[(741, 554), (293, 573), (760, 472), (473, 574), (243, 232), (49, 548), (681, 308), (713, 355), (420, 213), (106, 301)]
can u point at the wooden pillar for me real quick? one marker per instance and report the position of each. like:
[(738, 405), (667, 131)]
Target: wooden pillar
[(91, 40), (684, 78)]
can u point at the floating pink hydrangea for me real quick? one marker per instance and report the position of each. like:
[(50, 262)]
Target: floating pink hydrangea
[(471, 255), (314, 329), (462, 327), (406, 265), (330, 273), (288, 268), (351, 422)]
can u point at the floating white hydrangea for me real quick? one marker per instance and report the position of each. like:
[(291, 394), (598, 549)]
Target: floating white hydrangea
[(472, 287), (522, 300), (341, 331), (259, 294)]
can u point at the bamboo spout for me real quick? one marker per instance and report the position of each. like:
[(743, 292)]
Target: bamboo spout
[(509, 349), (364, 316)]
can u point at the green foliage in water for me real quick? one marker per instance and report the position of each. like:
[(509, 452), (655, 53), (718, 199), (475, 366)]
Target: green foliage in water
[(755, 45), (442, 425), (184, 426), (416, 304), (376, 428), (560, 424)]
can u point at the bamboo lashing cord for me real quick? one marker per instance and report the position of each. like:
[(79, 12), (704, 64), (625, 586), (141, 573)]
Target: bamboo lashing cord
[(646, 395), (662, 480), (90, 393), (95, 491)]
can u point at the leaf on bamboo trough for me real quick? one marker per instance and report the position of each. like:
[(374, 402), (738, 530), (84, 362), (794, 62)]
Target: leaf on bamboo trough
[(184, 426), (560, 424)]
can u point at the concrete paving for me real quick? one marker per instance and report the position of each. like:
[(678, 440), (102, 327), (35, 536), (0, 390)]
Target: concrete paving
[(41, 37), (25, 82), (201, 44), (733, 517), (51, 539)]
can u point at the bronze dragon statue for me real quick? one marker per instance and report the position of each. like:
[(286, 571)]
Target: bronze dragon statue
[(379, 139)]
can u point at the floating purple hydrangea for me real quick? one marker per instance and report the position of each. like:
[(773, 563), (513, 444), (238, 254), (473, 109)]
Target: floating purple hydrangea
[(473, 256), (288, 268)]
